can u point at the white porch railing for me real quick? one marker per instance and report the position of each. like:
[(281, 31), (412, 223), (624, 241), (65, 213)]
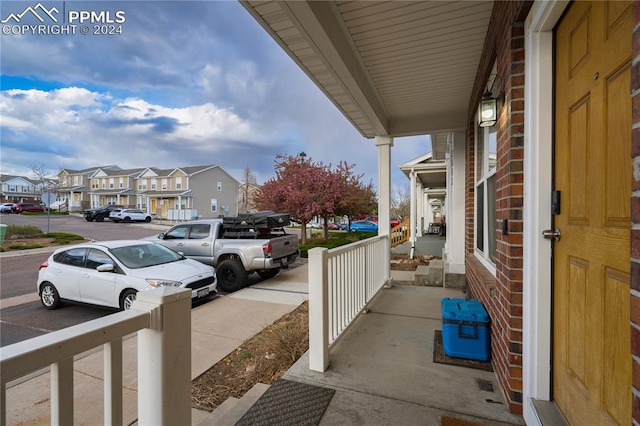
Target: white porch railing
[(162, 318), (182, 214), (341, 283)]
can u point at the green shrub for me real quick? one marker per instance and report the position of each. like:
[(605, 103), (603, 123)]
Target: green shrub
[(25, 246), (64, 236)]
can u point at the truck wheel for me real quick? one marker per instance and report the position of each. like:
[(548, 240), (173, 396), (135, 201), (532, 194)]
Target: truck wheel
[(268, 273), (231, 275)]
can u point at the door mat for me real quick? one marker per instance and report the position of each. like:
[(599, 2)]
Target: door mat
[(456, 421), (288, 403), (441, 358)]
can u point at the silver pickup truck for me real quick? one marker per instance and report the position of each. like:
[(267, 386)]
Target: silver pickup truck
[(235, 254)]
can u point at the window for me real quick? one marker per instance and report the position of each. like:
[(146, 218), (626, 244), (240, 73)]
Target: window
[(154, 186), (177, 233), (164, 184), (199, 232), (96, 258), (73, 257), (121, 185), (110, 186), (485, 193), (214, 205), (178, 183), (219, 186)]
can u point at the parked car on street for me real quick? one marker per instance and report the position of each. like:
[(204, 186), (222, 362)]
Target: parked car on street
[(100, 213), (111, 273), (27, 207), (129, 215), (364, 226), (6, 207)]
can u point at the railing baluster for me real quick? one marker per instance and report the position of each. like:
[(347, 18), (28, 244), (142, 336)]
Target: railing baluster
[(62, 392), (113, 382)]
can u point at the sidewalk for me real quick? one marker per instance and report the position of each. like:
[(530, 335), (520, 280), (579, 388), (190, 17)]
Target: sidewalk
[(218, 327)]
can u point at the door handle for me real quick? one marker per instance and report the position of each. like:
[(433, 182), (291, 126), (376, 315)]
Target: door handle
[(552, 234), (205, 244)]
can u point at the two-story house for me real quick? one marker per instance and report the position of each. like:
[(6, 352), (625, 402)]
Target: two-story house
[(204, 191), (19, 189), (113, 186), (74, 186)]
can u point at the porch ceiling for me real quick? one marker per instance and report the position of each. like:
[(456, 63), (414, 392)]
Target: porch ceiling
[(395, 68)]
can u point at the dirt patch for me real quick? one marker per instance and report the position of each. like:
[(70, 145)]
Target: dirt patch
[(262, 359), (401, 262)]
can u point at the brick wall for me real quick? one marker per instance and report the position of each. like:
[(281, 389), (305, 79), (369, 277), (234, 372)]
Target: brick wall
[(635, 213), (502, 294)]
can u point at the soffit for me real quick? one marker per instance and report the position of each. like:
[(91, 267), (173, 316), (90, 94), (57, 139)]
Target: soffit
[(394, 68)]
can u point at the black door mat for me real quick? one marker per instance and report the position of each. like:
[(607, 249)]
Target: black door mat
[(441, 358), (288, 403)]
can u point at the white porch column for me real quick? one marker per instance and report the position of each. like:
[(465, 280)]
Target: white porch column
[(412, 214), (384, 144), (420, 210), (164, 357), (455, 208)]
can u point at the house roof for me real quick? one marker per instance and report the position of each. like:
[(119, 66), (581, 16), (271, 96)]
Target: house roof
[(431, 173), (89, 170), (393, 68)]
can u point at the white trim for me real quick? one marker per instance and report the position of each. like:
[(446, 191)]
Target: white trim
[(485, 262), (538, 171)]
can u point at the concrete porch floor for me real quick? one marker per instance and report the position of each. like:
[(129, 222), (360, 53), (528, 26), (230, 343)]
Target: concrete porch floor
[(383, 370)]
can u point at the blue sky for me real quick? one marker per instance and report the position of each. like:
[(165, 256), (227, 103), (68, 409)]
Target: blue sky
[(185, 83)]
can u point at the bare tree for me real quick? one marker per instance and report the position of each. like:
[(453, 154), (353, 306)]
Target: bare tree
[(401, 202), (246, 190), (48, 182)]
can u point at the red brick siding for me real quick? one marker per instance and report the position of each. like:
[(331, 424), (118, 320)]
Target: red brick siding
[(635, 214), (502, 294)]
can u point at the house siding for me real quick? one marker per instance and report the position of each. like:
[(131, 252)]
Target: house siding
[(502, 294), (635, 214), (206, 183)]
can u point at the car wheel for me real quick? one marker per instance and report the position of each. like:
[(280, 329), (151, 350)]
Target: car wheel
[(147, 219), (231, 275), (127, 299), (49, 296), (127, 219), (89, 219), (354, 230), (99, 218)]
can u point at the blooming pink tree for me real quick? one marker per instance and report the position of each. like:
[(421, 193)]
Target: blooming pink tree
[(305, 189)]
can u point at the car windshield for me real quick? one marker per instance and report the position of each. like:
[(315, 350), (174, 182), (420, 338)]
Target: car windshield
[(145, 255)]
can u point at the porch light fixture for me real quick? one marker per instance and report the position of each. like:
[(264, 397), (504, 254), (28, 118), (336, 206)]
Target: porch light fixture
[(488, 111)]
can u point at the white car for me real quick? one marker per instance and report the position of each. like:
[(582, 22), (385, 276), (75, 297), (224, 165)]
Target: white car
[(111, 273), (6, 207), (129, 215)]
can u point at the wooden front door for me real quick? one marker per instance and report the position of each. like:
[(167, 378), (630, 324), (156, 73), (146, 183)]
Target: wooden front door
[(592, 170)]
